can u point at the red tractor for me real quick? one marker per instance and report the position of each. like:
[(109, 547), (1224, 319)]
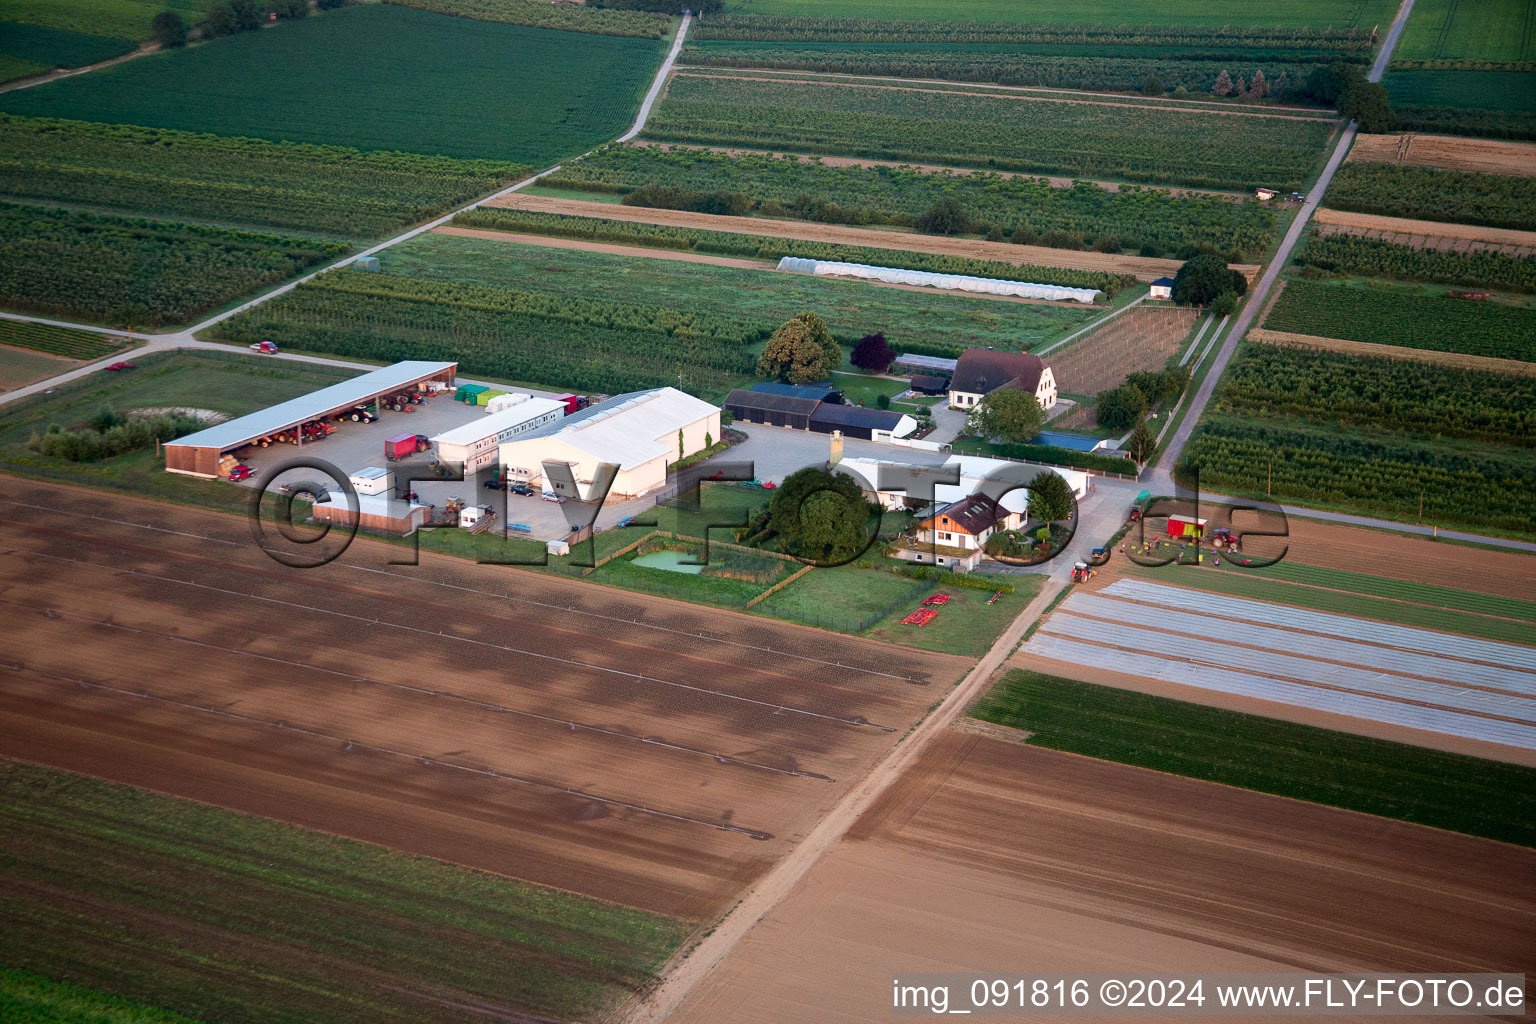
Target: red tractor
[(1082, 572)]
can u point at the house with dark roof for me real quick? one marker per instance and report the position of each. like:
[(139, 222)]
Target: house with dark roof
[(1162, 288), (954, 535), (930, 383), (981, 371), (819, 392), (860, 422)]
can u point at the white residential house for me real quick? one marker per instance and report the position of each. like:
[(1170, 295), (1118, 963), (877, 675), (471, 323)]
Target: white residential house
[(981, 371)]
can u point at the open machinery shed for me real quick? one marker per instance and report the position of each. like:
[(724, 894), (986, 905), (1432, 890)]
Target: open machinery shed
[(198, 454)]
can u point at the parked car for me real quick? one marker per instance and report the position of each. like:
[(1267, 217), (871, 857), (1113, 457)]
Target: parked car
[(495, 485), (266, 348), (122, 366), (552, 496), (240, 473), (522, 489)]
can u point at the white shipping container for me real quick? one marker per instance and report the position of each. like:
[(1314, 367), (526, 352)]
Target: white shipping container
[(372, 480)]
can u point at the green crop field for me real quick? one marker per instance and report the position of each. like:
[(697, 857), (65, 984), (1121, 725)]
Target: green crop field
[(1487, 30), (377, 77), (28, 998), (1432, 193), (1384, 395), (762, 247), (1393, 315), (1393, 780), (1366, 471), (546, 14), (119, 19), (57, 48), (1363, 14), (1503, 92), (329, 190), (15, 67), (506, 310), (1028, 208), (59, 341), (102, 885), (912, 321), (1132, 143), (90, 266), (1371, 257)]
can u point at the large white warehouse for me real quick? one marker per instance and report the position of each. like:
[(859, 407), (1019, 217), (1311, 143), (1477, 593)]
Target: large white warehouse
[(638, 432), (977, 476), (478, 443)]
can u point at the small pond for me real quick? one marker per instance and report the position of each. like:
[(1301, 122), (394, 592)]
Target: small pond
[(671, 561)]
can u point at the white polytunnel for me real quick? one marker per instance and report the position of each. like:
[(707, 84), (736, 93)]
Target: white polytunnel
[(953, 282)]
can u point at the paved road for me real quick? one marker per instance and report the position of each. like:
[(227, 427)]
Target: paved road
[(659, 81), (1161, 477)]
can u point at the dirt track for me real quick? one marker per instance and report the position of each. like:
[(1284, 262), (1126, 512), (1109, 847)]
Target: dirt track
[(1142, 267), (1459, 360), (634, 749), (994, 856), (1487, 156), (1407, 226)]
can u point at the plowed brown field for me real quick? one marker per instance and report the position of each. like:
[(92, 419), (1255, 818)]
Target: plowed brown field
[(633, 749), (998, 857), (1426, 228)]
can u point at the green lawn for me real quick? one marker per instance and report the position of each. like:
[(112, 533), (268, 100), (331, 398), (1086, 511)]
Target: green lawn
[(377, 77), (1216, 13), (120, 19), (571, 193), (948, 323), (966, 624), (232, 918), (15, 67), (34, 999), (1393, 780), (18, 367), (845, 598), (1369, 597)]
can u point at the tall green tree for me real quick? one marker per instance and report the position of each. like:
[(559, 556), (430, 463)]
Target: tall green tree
[(1008, 415), (1050, 498), (944, 217), (168, 29), (1204, 277), (221, 21), (1369, 104), (801, 350), (821, 516), (1142, 444)]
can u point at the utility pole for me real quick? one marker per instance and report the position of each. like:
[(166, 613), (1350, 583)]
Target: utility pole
[(1269, 482), (1421, 508)]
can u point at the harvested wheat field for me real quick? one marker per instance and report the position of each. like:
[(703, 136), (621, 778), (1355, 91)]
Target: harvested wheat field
[(1143, 268), (634, 749), (990, 855), (1485, 156), (1142, 338), (1525, 240), (1459, 360)]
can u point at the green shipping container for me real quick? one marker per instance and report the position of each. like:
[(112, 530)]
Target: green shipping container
[(468, 393)]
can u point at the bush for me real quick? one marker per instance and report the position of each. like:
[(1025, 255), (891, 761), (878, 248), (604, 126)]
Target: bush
[(1152, 86), (288, 9), (1224, 304), (1204, 277), (872, 353), (109, 435), (169, 30), (944, 217), (247, 13), (222, 21)]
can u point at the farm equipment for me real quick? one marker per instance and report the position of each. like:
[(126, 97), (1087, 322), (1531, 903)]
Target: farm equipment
[(401, 446), (438, 469), (995, 598), (408, 495), (519, 528), (921, 617), (402, 401), (357, 414), (935, 600), (266, 348), (1136, 506), (1224, 537), (1082, 573)]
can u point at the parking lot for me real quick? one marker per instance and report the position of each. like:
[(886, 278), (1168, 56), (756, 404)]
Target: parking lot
[(356, 446)]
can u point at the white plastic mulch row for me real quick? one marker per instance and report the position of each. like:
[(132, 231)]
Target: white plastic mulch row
[(957, 282), (1321, 622), (1287, 666), (1384, 659), (1221, 680)]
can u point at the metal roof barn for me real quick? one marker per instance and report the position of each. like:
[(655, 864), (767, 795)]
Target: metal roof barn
[(197, 454)]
